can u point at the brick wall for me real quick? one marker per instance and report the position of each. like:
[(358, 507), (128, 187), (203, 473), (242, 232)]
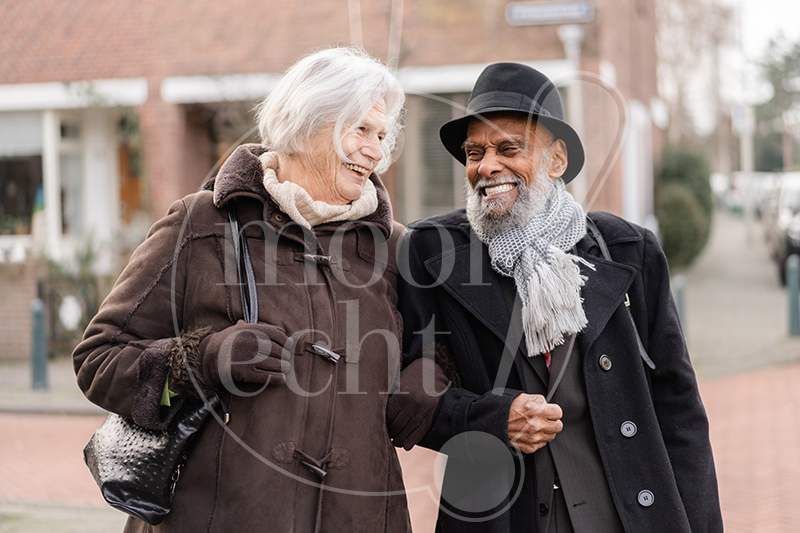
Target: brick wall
[(439, 32), (623, 35), (18, 290), (63, 40), (602, 122), (178, 153)]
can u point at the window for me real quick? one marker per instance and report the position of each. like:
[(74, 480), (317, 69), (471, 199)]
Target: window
[(21, 190), (71, 169), (430, 181), (70, 131), (70, 166), (437, 163), (21, 193)]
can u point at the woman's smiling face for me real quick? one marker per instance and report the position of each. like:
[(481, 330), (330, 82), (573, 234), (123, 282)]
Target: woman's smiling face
[(339, 182)]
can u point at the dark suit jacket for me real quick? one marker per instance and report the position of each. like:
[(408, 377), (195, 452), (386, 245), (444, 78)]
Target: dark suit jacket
[(448, 287)]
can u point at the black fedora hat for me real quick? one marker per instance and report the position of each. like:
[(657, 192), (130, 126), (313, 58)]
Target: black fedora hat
[(520, 88)]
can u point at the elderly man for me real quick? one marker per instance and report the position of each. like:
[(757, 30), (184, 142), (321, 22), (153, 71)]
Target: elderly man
[(573, 404)]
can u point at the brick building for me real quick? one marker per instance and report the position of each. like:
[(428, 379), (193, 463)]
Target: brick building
[(111, 110)]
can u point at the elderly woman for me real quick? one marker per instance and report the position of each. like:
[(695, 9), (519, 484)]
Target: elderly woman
[(307, 447)]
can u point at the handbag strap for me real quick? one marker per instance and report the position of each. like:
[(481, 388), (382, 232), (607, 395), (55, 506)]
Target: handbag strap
[(248, 282), (598, 237)]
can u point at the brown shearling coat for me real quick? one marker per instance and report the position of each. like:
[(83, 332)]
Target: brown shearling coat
[(182, 281)]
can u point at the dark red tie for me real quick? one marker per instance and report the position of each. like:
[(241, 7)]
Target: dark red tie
[(547, 359)]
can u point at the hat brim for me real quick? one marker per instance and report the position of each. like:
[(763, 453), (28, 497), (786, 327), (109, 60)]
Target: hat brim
[(454, 132)]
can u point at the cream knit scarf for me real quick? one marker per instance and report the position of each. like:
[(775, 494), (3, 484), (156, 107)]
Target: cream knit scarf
[(298, 204), (546, 275)]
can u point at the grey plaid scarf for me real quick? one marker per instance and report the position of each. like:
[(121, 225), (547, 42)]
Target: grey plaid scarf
[(547, 276)]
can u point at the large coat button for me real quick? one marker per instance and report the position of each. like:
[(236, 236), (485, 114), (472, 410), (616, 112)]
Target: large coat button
[(646, 498), (628, 428), (543, 509), (605, 362)]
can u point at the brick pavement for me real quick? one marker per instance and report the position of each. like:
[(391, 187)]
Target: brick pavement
[(755, 434), (735, 322), (43, 449), (422, 475), (44, 485)]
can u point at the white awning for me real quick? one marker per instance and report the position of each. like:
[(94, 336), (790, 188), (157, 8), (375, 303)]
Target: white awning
[(415, 80), (73, 95), (230, 88), (461, 78)]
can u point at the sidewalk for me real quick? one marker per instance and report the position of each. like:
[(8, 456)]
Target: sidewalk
[(62, 397), (749, 369), (736, 310), (736, 330)]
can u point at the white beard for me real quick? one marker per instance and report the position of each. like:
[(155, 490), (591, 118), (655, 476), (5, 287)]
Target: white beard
[(531, 243), (530, 200)]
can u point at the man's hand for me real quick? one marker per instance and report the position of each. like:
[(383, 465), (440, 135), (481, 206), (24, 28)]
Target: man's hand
[(532, 422)]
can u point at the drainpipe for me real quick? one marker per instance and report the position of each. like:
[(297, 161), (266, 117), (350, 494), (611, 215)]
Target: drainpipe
[(571, 37)]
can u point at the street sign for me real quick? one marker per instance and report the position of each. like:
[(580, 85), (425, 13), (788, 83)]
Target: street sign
[(743, 120), (537, 13)]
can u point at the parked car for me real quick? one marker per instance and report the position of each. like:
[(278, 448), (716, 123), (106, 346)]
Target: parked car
[(769, 214), (784, 233), (720, 184), (743, 189), (762, 186)]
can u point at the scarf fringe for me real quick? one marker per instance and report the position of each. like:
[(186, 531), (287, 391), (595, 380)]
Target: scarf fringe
[(554, 307), (548, 278)]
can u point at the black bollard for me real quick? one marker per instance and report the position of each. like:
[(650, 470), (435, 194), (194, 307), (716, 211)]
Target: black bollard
[(39, 347), (793, 283)]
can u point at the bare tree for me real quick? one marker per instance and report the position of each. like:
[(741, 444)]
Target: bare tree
[(690, 35), (781, 68)]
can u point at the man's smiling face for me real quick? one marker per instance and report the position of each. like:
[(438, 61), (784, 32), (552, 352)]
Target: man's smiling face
[(504, 152)]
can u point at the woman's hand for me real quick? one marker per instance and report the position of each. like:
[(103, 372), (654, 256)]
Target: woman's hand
[(410, 409), (247, 353)]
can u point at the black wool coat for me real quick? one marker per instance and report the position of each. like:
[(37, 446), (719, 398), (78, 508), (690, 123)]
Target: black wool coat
[(448, 287)]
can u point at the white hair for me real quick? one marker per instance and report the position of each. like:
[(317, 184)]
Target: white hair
[(335, 86)]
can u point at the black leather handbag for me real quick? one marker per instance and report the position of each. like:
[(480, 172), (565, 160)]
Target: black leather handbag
[(136, 468)]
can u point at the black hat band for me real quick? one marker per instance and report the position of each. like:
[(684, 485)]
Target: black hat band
[(502, 99)]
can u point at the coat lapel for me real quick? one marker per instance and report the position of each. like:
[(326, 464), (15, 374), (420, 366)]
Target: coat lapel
[(479, 291), (474, 284), (466, 274), (602, 294), (539, 366)]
